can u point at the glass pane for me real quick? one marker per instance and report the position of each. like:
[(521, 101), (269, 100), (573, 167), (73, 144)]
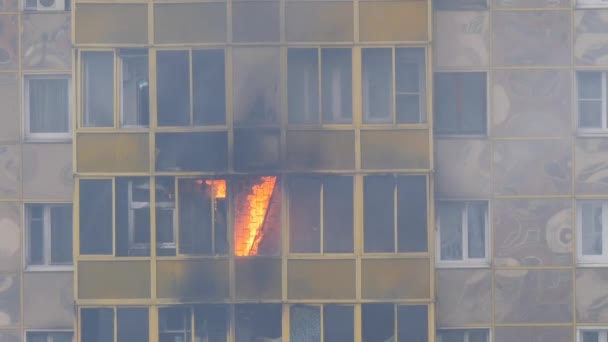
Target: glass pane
[(592, 228), (412, 323), (378, 322), (37, 337), (97, 325), (591, 336), (258, 322), (377, 85), (132, 216), (477, 229), (305, 215), (165, 216), (409, 108), (211, 323), (412, 214), (209, 87), (450, 229), (134, 105), (173, 88), (590, 114), (95, 216), (338, 323), (338, 214), (303, 85), (132, 324), (452, 336), (589, 84), (378, 211), (61, 234), (195, 216), (305, 323), (48, 105), (98, 92), (409, 65), (478, 335), (336, 67), (36, 235), (174, 324)]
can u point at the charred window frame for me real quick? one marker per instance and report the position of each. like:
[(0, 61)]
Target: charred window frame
[(393, 85), (193, 323), (592, 224), (319, 85), (394, 322), (109, 324), (49, 235), (395, 214), (462, 232), (120, 74), (321, 214), (48, 107), (463, 335), (191, 87), (49, 336), (322, 322)]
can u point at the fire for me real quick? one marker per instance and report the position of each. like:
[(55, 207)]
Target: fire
[(218, 186), (249, 224)]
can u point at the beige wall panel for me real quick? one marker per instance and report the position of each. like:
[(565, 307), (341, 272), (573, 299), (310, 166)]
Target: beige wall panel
[(395, 279), (591, 166), (321, 279), (531, 103), (111, 23), (535, 167), (124, 152), (48, 300), (9, 6), (192, 279), (533, 296), (532, 232), (531, 3), (9, 46), (461, 38), (464, 296), (113, 279), (388, 21), (591, 37), (320, 150), (462, 168), (10, 336), (591, 295), (46, 41), (384, 149), (10, 294), (319, 21), (533, 334), (258, 278), (190, 23), (47, 171), (10, 117), (255, 21), (10, 233), (10, 171)]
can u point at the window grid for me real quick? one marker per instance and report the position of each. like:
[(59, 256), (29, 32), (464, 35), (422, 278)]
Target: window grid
[(602, 99), (592, 258), (602, 335), (47, 227)]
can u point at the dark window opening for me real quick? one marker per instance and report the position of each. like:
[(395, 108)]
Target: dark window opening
[(173, 88), (191, 151), (460, 103), (96, 217), (97, 324), (378, 322), (132, 324), (258, 322), (133, 216), (209, 87)]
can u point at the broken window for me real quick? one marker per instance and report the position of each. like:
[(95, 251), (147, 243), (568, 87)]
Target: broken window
[(47, 107), (182, 152), (96, 216), (132, 324), (49, 234), (210, 323), (460, 103), (134, 95), (49, 336), (592, 220), (387, 198), (305, 79), (462, 231), (305, 323), (467, 335), (408, 105), (257, 226), (379, 323), (308, 198), (258, 322), (97, 324), (132, 216), (182, 102), (98, 89)]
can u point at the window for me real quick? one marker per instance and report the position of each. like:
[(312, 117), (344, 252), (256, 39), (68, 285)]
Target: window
[(47, 107), (460, 4), (462, 232), (592, 110), (592, 219), (384, 321), (592, 3), (210, 322), (305, 323), (408, 105), (97, 324), (49, 336), (460, 103), (592, 335), (463, 335), (321, 214), (49, 234), (182, 102), (308, 105), (99, 84), (395, 214), (258, 322)]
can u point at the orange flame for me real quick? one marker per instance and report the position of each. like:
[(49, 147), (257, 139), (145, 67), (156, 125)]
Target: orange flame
[(219, 187), (248, 227)]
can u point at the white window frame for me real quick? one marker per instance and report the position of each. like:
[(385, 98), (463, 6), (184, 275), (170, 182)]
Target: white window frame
[(603, 333), (604, 99), (592, 259), (46, 227), (46, 331), (591, 3), (64, 136), (466, 333), (465, 261)]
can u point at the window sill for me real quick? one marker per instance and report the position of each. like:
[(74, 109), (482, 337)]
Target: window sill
[(49, 268), (595, 263), (463, 264), (47, 140), (591, 134)]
